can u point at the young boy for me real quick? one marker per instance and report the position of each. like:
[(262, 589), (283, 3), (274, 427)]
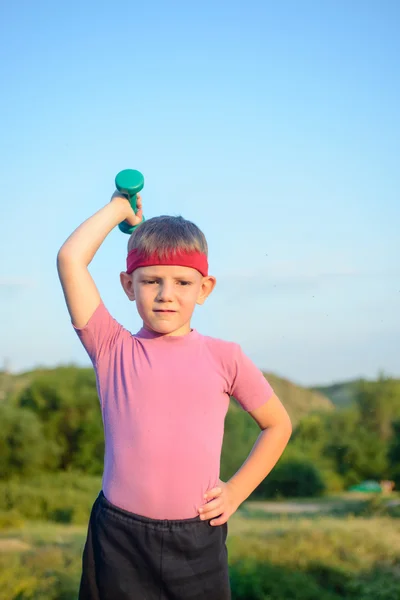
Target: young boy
[(158, 527)]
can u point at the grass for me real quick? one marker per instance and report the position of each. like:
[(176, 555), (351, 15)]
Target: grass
[(272, 557)]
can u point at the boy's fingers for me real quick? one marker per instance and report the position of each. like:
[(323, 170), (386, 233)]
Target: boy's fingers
[(213, 493), (220, 521), (212, 514), (211, 506)]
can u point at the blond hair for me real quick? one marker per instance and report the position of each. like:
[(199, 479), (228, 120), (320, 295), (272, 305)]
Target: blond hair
[(165, 235)]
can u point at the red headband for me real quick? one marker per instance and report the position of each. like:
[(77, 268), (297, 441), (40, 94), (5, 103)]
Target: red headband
[(194, 259)]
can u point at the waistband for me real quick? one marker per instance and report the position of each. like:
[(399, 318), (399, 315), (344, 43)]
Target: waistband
[(125, 515)]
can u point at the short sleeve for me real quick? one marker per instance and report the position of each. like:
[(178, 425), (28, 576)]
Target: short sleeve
[(100, 333), (249, 386)]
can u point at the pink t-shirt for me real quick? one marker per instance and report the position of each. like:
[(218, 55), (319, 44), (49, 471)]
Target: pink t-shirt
[(164, 401)]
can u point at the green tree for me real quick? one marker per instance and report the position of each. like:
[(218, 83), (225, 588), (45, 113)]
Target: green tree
[(66, 402), (240, 434), (357, 452), (292, 478), (394, 454), (22, 447), (379, 405), (311, 436)]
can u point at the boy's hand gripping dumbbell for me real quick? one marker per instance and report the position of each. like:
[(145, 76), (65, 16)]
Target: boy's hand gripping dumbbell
[(129, 183)]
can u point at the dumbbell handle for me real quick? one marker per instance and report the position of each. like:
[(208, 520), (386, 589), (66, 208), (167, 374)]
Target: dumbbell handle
[(129, 183)]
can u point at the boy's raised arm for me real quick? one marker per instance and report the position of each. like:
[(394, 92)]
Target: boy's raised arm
[(80, 291)]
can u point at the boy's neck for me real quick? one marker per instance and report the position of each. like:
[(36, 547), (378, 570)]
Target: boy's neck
[(182, 331)]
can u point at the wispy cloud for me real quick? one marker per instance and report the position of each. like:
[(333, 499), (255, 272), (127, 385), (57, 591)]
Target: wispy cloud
[(12, 287), (16, 282), (288, 278), (285, 273), (291, 272)]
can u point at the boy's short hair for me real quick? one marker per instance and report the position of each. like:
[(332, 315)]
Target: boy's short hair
[(165, 235)]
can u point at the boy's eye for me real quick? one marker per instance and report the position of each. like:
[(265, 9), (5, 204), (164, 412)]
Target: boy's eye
[(154, 281)]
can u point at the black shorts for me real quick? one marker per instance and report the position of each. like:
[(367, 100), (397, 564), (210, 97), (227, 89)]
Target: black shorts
[(131, 557)]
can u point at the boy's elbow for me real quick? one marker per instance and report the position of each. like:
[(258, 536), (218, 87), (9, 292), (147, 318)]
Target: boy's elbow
[(289, 427), (63, 258), (63, 254), (286, 426), (68, 262), (67, 256)]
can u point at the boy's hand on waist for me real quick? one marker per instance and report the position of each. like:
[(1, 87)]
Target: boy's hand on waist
[(220, 502)]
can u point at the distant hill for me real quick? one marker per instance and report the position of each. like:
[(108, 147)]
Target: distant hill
[(342, 394), (12, 383), (298, 400)]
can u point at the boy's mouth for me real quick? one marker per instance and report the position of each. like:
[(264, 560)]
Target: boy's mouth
[(165, 311)]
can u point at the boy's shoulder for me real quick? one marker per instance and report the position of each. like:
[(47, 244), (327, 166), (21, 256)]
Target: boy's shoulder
[(216, 340), (220, 346)]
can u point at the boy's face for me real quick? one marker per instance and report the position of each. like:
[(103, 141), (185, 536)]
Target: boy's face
[(166, 296)]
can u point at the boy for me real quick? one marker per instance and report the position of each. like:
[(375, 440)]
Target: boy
[(158, 528)]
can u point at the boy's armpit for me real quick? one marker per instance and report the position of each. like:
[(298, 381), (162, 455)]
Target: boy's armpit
[(271, 413), (91, 318), (99, 334), (249, 386)]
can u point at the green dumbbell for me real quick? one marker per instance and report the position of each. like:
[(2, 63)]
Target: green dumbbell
[(129, 183)]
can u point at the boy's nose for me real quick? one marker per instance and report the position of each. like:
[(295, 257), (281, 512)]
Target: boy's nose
[(165, 294)]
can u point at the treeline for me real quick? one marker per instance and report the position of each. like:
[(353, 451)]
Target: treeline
[(54, 424)]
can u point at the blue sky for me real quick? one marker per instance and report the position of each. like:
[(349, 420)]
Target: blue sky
[(273, 126)]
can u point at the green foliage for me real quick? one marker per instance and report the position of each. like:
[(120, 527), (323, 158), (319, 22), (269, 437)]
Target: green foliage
[(49, 573), (357, 453), (11, 519), (378, 584), (299, 401), (241, 432), (311, 435), (22, 448), (379, 405), (394, 454), (320, 559), (254, 580), (292, 478), (62, 498), (356, 443), (333, 482), (342, 394), (66, 402), (54, 423), (303, 559)]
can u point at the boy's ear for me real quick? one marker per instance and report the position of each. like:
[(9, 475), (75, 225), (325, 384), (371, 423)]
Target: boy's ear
[(207, 286), (127, 284)]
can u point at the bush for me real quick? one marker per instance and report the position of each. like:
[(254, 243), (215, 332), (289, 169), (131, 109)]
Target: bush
[(11, 519), (48, 573), (62, 498), (22, 447), (65, 401), (292, 478), (333, 482), (321, 559), (252, 580), (376, 584)]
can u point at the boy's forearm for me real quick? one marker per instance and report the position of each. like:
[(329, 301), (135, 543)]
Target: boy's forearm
[(83, 243), (265, 454)]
